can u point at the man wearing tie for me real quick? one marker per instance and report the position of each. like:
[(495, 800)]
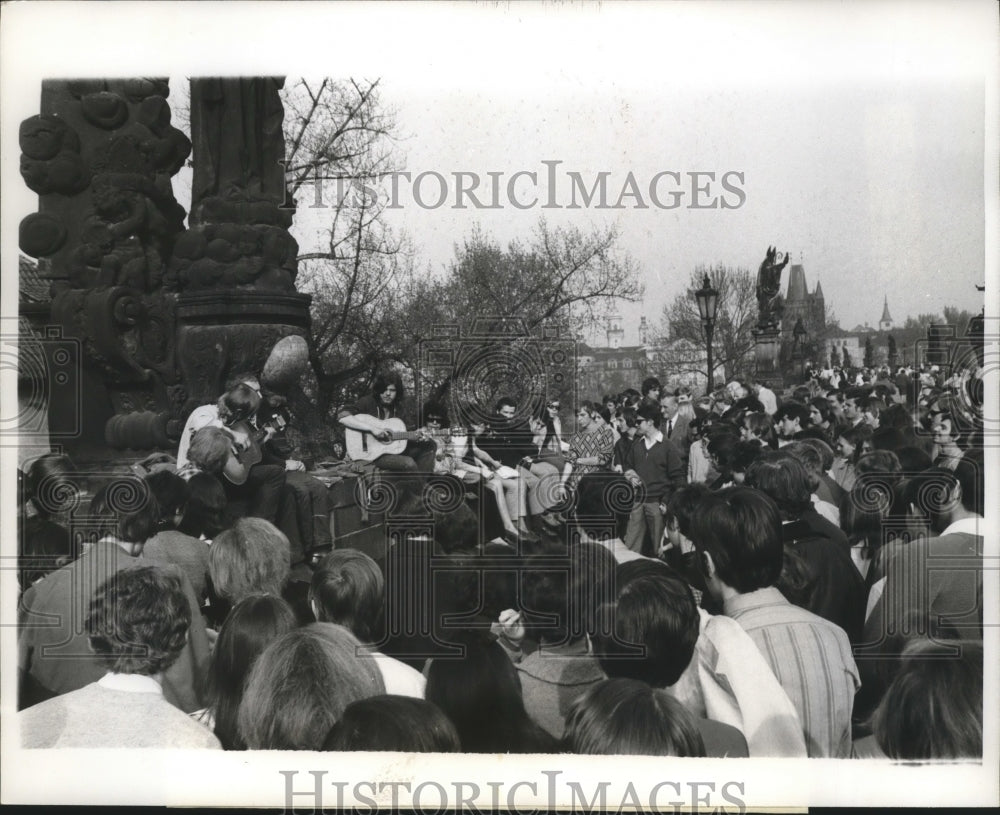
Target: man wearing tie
[(675, 426)]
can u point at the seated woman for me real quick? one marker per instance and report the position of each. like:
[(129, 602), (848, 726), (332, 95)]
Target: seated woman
[(393, 723), (628, 717), (301, 685), (548, 463), (592, 447), (481, 694), (254, 623), (508, 490)]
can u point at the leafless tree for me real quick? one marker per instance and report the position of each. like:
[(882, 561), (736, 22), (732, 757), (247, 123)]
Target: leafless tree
[(735, 317), (340, 143)]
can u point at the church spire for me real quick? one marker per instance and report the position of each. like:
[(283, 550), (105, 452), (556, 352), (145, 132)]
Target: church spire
[(885, 324)]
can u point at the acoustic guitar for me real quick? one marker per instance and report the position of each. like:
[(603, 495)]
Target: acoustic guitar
[(246, 450), (363, 446)]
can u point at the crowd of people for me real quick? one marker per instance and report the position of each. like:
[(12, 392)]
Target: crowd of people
[(733, 574)]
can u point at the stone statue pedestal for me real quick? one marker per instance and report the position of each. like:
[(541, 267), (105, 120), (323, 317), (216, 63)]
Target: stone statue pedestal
[(222, 333), (767, 348)]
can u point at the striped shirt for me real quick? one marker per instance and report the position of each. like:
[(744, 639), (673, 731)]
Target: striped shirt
[(812, 660)]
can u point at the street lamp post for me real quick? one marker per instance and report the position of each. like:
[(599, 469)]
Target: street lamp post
[(707, 299)]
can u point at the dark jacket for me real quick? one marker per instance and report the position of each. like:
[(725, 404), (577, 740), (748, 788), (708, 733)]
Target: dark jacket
[(820, 576), (507, 442), (660, 467)]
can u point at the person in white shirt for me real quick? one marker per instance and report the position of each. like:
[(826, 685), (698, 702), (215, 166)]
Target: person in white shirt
[(766, 397), (348, 589), (138, 624)]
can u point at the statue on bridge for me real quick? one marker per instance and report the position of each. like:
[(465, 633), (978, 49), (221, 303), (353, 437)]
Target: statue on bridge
[(769, 303)]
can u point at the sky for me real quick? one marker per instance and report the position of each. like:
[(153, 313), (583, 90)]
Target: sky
[(875, 187), (866, 134), (857, 133)]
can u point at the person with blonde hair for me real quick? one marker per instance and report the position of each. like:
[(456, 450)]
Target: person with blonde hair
[(301, 685), (628, 717)]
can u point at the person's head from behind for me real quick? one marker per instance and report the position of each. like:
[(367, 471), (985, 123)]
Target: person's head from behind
[(913, 459), (933, 495), (628, 717), (744, 454), (681, 508), (879, 462), (934, 707), (50, 485), (782, 478), (825, 451), (251, 557), (940, 496), (205, 511), (172, 493), (888, 438), (393, 723), (138, 620), (457, 529), (809, 458), (479, 691), (238, 404), (347, 588), (253, 624), (721, 447), (125, 511), (546, 608), (650, 630), (300, 686), (210, 449), (737, 533), (864, 510)]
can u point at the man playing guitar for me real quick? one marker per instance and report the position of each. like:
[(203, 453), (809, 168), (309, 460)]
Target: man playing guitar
[(251, 474), (368, 417)]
